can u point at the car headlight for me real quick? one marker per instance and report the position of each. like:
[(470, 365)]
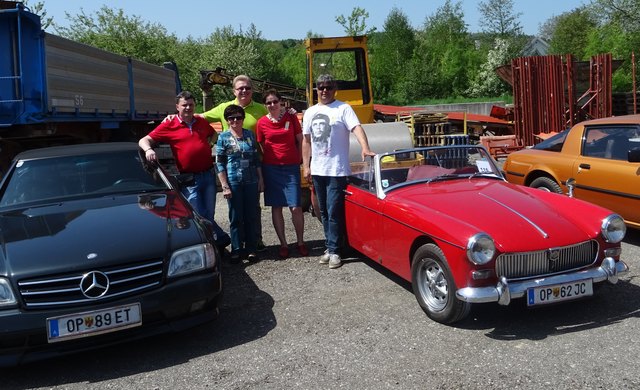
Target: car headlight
[(480, 248), (191, 259), (613, 228), (6, 293)]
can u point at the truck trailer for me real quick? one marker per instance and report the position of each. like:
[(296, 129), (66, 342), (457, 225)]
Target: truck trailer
[(56, 91)]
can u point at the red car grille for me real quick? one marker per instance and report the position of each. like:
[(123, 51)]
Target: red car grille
[(546, 262), (65, 290)]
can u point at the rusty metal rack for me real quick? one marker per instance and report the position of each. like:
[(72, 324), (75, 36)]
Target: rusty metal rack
[(552, 93)]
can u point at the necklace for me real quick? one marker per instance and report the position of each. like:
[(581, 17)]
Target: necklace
[(274, 120)]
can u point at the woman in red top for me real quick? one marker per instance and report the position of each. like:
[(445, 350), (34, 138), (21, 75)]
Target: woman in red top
[(280, 136)]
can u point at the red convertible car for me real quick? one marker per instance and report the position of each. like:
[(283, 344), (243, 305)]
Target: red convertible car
[(445, 219)]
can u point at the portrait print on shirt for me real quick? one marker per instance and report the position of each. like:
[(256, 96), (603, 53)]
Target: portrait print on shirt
[(321, 133)]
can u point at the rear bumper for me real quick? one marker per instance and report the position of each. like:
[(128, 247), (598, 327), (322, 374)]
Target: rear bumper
[(504, 291), (176, 306)]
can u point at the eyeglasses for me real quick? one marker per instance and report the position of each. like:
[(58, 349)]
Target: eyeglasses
[(235, 118), (325, 88), (245, 88), (272, 102)]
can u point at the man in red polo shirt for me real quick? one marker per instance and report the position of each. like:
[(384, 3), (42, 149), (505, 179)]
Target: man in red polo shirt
[(188, 136)]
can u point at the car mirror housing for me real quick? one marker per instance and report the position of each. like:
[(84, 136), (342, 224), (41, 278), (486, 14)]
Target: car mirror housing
[(634, 155)]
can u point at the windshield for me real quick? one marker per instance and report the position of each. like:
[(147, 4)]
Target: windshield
[(553, 143), (424, 165), (57, 178)]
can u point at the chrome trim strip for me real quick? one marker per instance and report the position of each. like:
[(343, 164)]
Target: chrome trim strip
[(608, 192), (538, 228), (114, 282), (504, 291), (134, 268), (92, 300), (71, 278)]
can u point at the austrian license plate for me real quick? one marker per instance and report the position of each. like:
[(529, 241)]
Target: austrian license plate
[(559, 292), (93, 322)]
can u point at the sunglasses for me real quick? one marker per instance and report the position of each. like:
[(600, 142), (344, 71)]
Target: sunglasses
[(247, 88), (272, 102), (235, 118), (325, 88)]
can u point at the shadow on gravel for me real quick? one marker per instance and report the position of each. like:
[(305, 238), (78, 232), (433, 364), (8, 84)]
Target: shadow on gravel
[(609, 305), (246, 314), (632, 237)]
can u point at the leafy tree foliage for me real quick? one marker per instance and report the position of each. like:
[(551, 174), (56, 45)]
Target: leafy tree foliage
[(487, 82), (38, 9), (571, 32), (390, 56), (499, 19), (444, 53), (112, 30), (623, 13), (356, 23)]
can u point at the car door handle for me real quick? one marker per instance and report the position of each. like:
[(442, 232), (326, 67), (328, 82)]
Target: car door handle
[(348, 192), (585, 166)]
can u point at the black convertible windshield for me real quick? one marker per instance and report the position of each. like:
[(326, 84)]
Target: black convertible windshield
[(56, 178)]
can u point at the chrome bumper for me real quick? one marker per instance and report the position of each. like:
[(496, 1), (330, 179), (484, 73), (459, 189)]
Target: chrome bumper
[(504, 291)]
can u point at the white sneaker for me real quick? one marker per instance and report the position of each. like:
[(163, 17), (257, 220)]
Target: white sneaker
[(334, 261), (324, 259)]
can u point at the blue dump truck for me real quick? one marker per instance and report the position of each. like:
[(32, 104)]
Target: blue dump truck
[(55, 91)]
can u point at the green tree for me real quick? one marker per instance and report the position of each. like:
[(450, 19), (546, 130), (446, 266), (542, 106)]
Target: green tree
[(623, 13), (487, 82), (356, 23), (571, 32), (38, 9), (444, 54), (499, 18), (111, 30), (390, 55)]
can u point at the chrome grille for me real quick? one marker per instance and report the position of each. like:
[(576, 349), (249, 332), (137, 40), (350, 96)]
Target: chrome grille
[(545, 262), (61, 290)]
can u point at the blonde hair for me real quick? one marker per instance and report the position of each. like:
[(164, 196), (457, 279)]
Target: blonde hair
[(241, 77)]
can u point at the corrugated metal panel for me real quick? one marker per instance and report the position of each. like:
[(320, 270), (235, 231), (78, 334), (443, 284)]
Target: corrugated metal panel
[(154, 89), (85, 78)]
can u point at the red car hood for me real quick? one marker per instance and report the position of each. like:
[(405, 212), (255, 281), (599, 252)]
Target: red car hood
[(517, 218)]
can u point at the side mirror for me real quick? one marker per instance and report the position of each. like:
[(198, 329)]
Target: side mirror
[(571, 183), (634, 155)]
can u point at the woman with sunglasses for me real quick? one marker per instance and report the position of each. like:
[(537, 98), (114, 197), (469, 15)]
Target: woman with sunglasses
[(280, 136), (240, 174)]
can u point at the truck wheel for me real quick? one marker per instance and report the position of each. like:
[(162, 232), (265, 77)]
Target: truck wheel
[(434, 287), (546, 184)]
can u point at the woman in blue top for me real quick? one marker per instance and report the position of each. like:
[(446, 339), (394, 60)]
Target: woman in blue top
[(240, 175)]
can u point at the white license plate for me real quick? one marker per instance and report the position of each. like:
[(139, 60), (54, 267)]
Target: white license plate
[(93, 322), (559, 292)]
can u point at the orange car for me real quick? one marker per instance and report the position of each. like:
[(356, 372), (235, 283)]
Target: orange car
[(602, 155)]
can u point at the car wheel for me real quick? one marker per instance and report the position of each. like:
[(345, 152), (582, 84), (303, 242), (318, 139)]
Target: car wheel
[(434, 287), (546, 184)]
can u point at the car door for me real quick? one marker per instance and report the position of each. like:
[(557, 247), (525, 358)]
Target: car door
[(603, 174), (363, 214)]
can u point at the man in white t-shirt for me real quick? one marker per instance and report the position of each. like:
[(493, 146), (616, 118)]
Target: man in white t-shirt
[(325, 158)]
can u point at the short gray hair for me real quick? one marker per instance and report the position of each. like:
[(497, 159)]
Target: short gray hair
[(326, 79)]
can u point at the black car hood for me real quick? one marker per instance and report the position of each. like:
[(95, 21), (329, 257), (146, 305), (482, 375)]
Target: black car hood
[(88, 233)]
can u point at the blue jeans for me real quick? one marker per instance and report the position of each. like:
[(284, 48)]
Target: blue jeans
[(330, 193), (202, 197), (243, 209)]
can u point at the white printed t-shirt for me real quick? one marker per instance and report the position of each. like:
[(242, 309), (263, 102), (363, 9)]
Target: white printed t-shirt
[(330, 141)]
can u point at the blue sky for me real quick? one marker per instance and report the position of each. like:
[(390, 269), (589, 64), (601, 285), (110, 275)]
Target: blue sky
[(292, 19)]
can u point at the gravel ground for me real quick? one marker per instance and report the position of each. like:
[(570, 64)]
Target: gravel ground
[(296, 324)]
